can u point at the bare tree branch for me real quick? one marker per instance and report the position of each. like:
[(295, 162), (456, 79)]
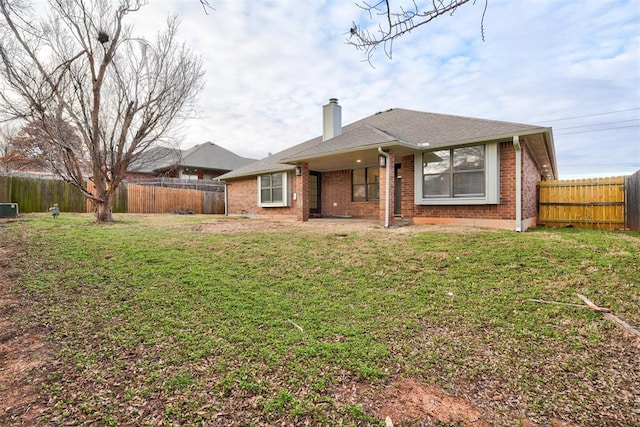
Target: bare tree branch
[(206, 6), (394, 23)]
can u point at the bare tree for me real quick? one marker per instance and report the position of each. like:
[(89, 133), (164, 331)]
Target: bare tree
[(121, 95), (397, 22), (31, 149)]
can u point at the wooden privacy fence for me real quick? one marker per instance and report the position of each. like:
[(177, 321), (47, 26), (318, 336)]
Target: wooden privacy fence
[(132, 198), (586, 203), (39, 194), (632, 190)]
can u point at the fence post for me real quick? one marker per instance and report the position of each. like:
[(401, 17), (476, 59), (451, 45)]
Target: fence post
[(632, 201)]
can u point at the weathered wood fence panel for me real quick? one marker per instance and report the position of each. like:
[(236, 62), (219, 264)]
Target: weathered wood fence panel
[(632, 189), (213, 202), (147, 199), (586, 203), (133, 198), (39, 194)]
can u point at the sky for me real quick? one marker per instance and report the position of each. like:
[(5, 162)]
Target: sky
[(272, 64)]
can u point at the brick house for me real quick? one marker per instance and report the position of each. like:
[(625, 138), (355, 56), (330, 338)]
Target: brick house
[(423, 167)]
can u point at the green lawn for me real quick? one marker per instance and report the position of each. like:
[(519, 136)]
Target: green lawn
[(154, 321)]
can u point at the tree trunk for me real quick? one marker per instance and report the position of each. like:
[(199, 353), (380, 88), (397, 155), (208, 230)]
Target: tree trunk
[(104, 208)]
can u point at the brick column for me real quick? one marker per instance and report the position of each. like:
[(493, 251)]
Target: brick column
[(383, 186), (301, 204), (408, 180)]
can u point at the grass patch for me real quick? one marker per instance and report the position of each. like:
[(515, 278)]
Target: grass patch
[(155, 321)]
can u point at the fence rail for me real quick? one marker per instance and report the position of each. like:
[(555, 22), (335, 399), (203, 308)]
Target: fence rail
[(586, 203), (193, 184)]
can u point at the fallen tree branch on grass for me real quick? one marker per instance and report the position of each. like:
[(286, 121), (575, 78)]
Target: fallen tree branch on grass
[(607, 313), (557, 303), (591, 306), (296, 325)]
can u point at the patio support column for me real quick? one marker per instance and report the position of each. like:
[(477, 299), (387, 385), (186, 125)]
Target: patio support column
[(301, 192), (386, 190)]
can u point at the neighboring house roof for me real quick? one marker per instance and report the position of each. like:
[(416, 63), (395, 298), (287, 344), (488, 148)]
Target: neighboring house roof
[(202, 156), (408, 129), (155, 159), (212, 156)]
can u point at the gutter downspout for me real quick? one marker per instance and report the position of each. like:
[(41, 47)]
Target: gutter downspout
[(387, 188), (518, 148)]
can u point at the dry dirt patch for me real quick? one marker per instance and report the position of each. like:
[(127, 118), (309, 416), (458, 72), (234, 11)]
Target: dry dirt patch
[(320, 225), (407, 402)]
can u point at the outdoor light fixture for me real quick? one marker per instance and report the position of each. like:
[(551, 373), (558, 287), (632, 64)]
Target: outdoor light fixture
[(382, 161), (298, 170)]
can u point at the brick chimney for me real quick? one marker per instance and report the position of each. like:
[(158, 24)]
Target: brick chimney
[(331, 119)]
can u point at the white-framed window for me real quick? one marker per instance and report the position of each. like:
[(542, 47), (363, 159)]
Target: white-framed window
[(365, 184), (273, 190), (467, 175)]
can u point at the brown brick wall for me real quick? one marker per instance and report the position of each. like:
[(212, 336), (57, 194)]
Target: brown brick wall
[(530, 177), (301, 204), (336, 196), (242, 199), (407, 174)]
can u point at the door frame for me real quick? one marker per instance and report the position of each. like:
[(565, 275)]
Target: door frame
[(318, 176)]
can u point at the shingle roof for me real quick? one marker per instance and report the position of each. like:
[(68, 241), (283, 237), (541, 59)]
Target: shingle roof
[(412, 129), (156, 158), (202, 156), (212, 156)]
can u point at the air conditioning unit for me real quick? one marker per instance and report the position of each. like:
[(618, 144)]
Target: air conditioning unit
[(8, 210)]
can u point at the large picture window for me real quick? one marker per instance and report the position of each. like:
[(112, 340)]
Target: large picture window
[(365, 184), (458, 172), (460, 175), (272, 189)]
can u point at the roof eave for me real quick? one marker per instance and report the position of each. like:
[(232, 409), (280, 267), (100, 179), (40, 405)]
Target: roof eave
[(293, 159), (232, 175), (551, 153), (497, 137)]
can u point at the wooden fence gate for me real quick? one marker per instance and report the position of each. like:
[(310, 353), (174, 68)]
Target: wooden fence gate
[(586, 203)]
